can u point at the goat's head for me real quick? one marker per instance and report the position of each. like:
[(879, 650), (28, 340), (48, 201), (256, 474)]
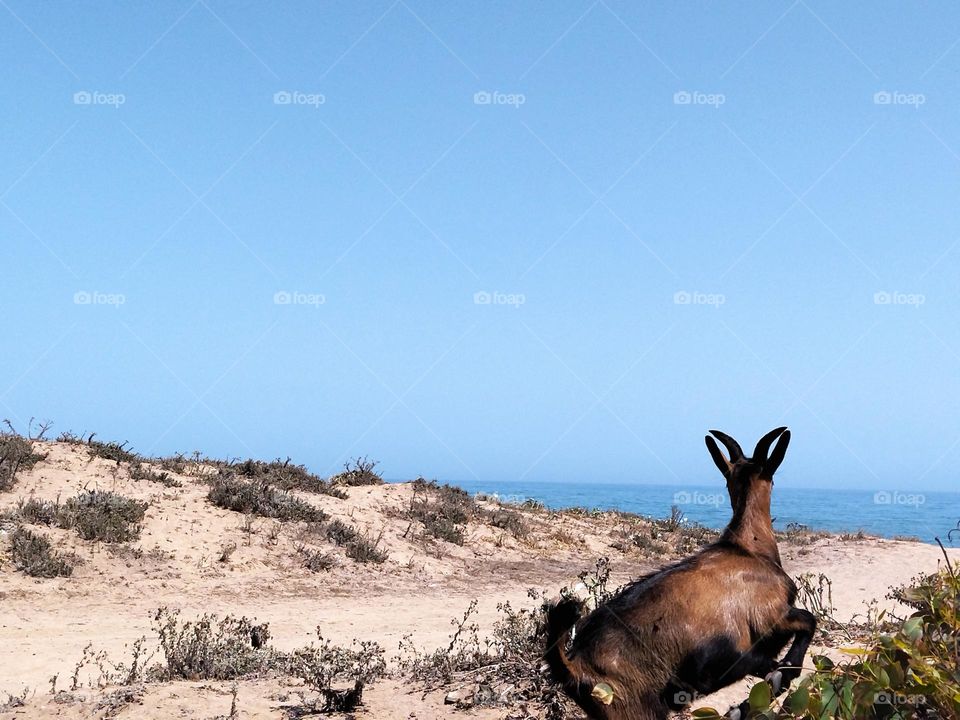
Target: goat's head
[(740, 471)]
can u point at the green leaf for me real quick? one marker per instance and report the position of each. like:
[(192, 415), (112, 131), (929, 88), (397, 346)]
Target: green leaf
[(760, 696), (912, 629), (706, 713), (798, 700)]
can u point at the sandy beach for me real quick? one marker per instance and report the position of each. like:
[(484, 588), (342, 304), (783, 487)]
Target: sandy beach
[(179, 562)]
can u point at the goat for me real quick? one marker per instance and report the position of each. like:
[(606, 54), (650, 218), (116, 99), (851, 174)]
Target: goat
[(696, 626)]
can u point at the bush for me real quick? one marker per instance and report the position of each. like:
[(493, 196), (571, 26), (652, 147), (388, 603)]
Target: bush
[(316, 560), (39, 512), (16, 454), (33, 554), (259, 497), (442, 509), (508, 520), (359, 546), (94, 514), (118, 452), (210, 649), (104, 516), (287, 476), (139, 471), (358, 472), (325, 665)]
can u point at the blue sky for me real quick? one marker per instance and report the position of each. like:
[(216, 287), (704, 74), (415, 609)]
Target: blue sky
[(505, 241)]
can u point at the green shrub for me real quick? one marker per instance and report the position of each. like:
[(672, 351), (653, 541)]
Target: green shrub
[(259, 497), (33, 554), (104, 516)]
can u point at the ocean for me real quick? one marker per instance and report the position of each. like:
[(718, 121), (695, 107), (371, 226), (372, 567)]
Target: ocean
[(925, 515)]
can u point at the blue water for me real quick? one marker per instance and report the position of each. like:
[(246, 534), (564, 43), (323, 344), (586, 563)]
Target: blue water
[(887, 514)]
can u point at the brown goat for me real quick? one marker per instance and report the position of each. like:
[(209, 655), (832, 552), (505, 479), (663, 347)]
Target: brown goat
[(698, 625)]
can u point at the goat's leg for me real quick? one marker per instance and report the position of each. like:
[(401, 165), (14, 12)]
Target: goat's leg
[(802, 624)]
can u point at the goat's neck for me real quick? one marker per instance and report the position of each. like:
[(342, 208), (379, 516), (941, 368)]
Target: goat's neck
[(751, 527)]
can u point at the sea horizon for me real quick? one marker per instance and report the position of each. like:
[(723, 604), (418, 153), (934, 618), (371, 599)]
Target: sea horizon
[(923, 515)]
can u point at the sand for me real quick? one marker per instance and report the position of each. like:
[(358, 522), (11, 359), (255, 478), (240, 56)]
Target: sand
[(46, 624)]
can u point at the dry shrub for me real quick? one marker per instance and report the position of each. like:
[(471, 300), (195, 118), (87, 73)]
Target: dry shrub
[(325, 666), (359, 471), (104, 516), (118, 452), (140, 471), (359, 546), (210, 648), (94, 514), (259, 497), (287, 476), (444, 510), (16, 454), (33, 554)]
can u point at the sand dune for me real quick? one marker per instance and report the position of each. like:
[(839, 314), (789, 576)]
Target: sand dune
[(45, 624)]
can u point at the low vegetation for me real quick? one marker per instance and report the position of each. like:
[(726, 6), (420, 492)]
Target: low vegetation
[(259, 497), (210, 648), (33, 554), (99, 515), (16, 454), (445, 510), (357, 472), (359, 546), (338, 674), (286, 476)]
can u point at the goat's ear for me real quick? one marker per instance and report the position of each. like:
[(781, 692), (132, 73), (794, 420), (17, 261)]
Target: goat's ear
[(776, 457), (722, 464)]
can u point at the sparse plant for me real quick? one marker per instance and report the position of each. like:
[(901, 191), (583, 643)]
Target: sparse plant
[(210, 648), (104, 516), (287, 476), (118, 452), (259, 497), (33, 554), (142, 471), (16, 454), (315, 560), (325, 666), (444, 510), (358, 471)]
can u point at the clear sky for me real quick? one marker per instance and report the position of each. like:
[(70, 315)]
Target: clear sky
[(260, 229)]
